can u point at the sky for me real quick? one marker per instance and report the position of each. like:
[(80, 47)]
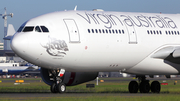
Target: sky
[(24, 10)]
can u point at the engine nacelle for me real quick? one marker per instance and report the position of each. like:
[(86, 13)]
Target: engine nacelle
[(70, 78)]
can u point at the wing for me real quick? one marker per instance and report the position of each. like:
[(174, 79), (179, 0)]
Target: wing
[(171, 54)]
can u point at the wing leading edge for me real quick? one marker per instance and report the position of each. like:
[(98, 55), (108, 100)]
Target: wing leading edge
[(171, 54)]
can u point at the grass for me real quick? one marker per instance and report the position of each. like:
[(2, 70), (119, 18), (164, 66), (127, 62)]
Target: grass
[(35, 87), (105, 87), (108, 91)]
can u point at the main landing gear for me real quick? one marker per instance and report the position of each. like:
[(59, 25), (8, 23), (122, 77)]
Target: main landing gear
[(58, 86), (143, 86)]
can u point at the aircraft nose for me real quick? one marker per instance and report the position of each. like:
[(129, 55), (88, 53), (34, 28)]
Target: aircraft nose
[(19, 44)]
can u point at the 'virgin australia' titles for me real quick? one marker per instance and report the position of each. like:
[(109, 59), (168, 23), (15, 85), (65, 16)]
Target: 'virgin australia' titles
[(110, 20)]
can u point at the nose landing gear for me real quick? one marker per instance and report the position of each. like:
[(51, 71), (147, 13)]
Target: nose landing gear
[(58, 86), (144, 86)]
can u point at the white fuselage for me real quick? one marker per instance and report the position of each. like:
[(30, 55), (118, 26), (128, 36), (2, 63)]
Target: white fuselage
[(77, 41)]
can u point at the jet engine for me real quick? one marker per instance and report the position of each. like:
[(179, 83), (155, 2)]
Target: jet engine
[(69, 78)]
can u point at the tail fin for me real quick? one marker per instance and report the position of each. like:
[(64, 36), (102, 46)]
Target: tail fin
[(10, 32)]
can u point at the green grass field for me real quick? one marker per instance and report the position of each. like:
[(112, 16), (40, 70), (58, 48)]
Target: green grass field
[(108, 91)]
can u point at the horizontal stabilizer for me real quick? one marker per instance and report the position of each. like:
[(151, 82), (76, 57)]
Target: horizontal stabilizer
[(10, 32)]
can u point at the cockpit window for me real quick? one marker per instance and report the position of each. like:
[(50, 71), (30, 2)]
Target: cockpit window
[(37, 29), (28, 29), (44, 29), (20, 29), (31, 28)]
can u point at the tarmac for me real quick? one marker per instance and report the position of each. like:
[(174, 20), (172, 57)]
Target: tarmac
[(46, 96)]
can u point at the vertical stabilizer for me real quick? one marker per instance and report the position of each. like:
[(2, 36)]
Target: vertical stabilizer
[(10, 32)]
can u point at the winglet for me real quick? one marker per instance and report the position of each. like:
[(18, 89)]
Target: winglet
[(10, 32)]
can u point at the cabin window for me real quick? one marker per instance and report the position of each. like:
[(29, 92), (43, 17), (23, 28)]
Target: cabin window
[(169, 32), (92, 30), (89, 31), (109, 31), (151, 32), (96, 30), (172, 32), (120, 31), (123, 31), (157, 32), (116, 31), (106, 31), (103, 30), (148, 31), (113, 31), (154, 32)]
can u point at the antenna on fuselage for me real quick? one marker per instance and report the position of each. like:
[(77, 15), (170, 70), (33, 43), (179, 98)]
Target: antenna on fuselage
[(75, 8)]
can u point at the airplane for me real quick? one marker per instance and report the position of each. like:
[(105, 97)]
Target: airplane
[(15, 68), (71, 47)]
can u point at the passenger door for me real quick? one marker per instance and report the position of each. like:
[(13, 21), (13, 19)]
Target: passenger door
[(132, 34), (73, 31)]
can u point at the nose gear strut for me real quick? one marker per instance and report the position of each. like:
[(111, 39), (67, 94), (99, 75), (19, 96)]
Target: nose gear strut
[(58, 86)]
